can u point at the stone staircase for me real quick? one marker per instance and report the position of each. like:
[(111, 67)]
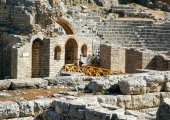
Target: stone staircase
[(128, 33)]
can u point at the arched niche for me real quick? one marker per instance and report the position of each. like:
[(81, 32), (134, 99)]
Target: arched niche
[(71, 51), (84, 50), (57, 53)]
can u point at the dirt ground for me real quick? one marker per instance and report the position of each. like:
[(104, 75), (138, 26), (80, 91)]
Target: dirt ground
[(30, 94)]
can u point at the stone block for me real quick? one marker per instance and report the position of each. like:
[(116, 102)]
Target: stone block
[(23, 118), (125, 117), (77, 110), (26, 108), (107, 99), (4, 84), (103, 84), (42, 104), (61, 107), (124, 101), (28, 83), (132, 86), (64, 80), (51, 115), (167, 87), (139, 115), (164, 95), (9, 110), (149, 100)]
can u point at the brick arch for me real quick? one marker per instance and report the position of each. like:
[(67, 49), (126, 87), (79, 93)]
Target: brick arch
[(71, 51), (66, 26)]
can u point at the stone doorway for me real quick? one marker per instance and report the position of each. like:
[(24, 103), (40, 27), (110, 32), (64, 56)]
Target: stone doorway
[(36, 58), (71, 52)]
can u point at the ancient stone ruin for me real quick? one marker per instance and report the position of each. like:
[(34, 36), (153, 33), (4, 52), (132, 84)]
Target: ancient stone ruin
[(40, 46)]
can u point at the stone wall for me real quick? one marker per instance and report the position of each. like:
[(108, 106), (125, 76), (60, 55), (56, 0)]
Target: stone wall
[(133, 61), (21, 62), (57, 65), (129, 60), (16, 16), (112, 58), (7, 42), (105, 56)]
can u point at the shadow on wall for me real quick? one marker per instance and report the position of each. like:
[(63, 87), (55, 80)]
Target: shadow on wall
[(139, 60), (158, 63)]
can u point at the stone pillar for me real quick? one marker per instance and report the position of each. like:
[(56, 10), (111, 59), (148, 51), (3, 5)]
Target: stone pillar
[(21, 62)]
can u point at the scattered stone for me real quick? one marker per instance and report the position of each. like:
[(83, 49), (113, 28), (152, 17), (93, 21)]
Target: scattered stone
[(4, 84), (48, 87), (3, 94)]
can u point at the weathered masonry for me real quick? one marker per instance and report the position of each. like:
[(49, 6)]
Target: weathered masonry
[(38, 38)]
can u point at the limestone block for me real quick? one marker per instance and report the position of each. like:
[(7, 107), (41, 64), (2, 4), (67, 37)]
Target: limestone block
[(164, 95), (51, 115), (101, 84), (4, 84), (26, 108), (155, 83), (77, 110), (42, 104), (139, 115), (132, 86), (149, 100), (23, 118), (155, 78), (9, 110), (167, 78), (120, 111), (107, 99), (98, 114), (124, 101), (167, 87), (28, 83), (89, 101), (61, 107), (154, 87), (126, 117), (163, 112), (66, 80)]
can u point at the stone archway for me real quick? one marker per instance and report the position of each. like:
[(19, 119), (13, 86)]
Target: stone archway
[(36, 58), (66, 26), (71, 52)]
